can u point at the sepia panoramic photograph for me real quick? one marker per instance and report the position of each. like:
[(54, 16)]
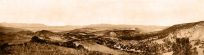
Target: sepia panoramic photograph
[(101, 27)]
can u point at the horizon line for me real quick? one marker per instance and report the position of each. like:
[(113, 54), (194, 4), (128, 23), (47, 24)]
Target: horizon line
[(80, 25)]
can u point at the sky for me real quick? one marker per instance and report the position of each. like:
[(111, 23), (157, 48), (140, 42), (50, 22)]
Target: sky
[(86, 12)]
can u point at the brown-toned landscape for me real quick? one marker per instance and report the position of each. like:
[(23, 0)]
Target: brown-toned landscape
[(101, 27), (102, 39)]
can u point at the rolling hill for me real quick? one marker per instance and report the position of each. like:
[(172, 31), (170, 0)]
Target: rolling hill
[(179, 39)]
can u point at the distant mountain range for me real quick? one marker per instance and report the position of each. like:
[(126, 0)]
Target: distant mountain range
[(38, 27)]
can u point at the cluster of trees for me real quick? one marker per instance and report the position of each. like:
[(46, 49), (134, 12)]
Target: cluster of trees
[(183, 47)]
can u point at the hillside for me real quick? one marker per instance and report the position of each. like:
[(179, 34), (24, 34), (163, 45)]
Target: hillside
[(188, 34), (180, 39), (9, 29)]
